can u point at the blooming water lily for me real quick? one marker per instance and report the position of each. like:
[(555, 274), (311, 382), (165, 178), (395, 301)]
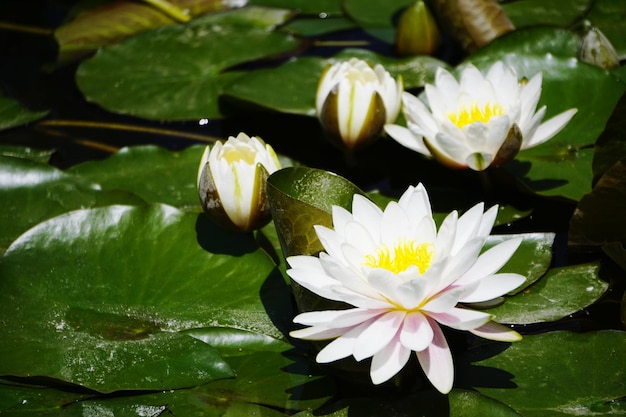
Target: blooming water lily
[(231, 182), (404, 279), (478, 122), (354, 101)]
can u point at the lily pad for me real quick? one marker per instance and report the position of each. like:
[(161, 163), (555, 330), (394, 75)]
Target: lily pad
[(563, 13), (135, 169), (458, 403), (561, 292), (555, 374), (177, 72), (532, 259), (32, 192), (37, 155), (105, 312), (561, 166), (291, 87), (319, 7), (377, 17), (12, 114)]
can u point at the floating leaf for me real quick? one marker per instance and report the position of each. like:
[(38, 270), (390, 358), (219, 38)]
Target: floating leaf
[(112, 22), (135, 169), (104, 312), (563, 13), (13, 114), (532, 258), (291, 87), (318, 7), (458, 403), (376, 17), (32, 192), (37, 155), (316, 26), (555, 374), (177, 72), (561, 292)]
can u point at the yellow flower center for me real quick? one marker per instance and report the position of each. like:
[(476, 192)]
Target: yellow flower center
[(469, 114), (404, 254), (241, 153)]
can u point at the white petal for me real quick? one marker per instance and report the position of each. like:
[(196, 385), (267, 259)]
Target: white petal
[(549, 128), (498, 332), (368, 213), (446, 236), (416, 333), (336, 318), (486, 223), (467, 226), (436, 361), (317, 333), (461, 318), (389, 361), (415, 202), (341, 217), (341, 347), (529, 97), (493, 286), (378, 334), (361, 237), (491, 261), (461, 262), (330, 240), (443, 302), (417, 113), (394, 225), (406, 138)]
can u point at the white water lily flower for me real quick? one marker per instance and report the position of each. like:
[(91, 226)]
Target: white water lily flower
[(404, 280), (231, 182), (479, 121), (354, 101)]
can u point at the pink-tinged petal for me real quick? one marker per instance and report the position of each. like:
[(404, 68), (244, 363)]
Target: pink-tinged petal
[(549, 128), (497, 332), (406, 138), (436, 361), (337, 318), (491, 261), (416, 333), (467, 226), (388, 362), (318, 333), (342, 347), (411, 293), (492, 287), (461, 318), (486, 223), (378, 334)]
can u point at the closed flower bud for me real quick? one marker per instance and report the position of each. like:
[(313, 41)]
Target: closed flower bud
[(597, 50), (417, 32), (354, 102), (232, 182)]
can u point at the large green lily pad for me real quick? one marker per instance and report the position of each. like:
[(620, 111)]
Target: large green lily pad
[(554, 374), (136, 168), (561, 292), (32, 191), (178, 72), (99, 297), (562, 13)]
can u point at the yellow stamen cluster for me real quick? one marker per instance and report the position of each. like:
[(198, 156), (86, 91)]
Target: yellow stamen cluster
[(404, 254), (469, 114)]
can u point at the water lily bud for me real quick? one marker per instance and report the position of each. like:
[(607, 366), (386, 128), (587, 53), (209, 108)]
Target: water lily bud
[(596, 49), (417, 32), (354, 101), (232, 182)]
